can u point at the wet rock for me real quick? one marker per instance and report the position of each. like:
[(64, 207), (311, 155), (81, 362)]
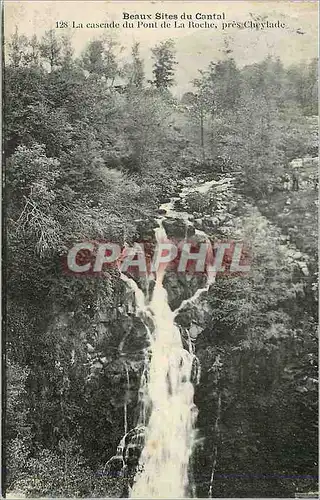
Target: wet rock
[(209, 224), (198, 223), (177, 228), (194, 331), (114, 465), (180, 288), (194, 314), (132, 455), (180, 205), (162, 211), (145, 228), (135, 339)]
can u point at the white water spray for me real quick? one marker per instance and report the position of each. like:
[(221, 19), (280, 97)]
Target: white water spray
[(170, 431), (169, 434)]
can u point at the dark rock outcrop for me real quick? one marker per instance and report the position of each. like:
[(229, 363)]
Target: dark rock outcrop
[(177, 228)]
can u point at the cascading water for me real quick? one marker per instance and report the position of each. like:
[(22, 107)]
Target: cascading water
[(170, 430), (169, 435)]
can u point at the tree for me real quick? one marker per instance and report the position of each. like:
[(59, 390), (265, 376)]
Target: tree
[(17, 49), (50, 49), (67, 52), (165, 61), (33, 57), (99, 59), (92, 58), (137, 75), (219, 86), (98, 171)]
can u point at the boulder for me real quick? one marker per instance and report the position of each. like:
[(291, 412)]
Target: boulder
[(177, 228), (145, 228), (181, 287), (162, 211), (180, 204), (198, 223), (194, 331), (136, 337)]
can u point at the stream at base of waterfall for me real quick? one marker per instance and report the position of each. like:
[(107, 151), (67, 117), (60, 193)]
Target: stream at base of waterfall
[(168, 389)]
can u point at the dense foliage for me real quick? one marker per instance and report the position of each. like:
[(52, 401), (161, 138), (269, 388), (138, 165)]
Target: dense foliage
[(88, 158)]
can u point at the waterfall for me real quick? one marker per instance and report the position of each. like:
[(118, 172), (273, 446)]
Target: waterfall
[(168, 390), (169, 434)]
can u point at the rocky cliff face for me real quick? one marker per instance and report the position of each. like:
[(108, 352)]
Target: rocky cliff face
[(117, 345), (124, 334)]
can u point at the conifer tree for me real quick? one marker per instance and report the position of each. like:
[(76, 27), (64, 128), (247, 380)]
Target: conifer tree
[(165, 61)]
